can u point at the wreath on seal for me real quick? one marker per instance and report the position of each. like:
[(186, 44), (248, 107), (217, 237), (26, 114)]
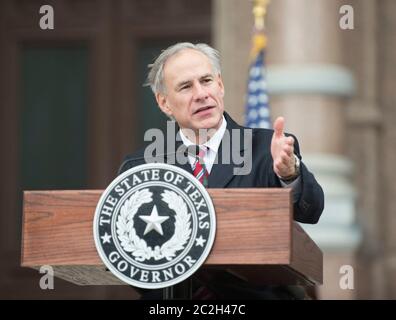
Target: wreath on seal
[(137, 246)]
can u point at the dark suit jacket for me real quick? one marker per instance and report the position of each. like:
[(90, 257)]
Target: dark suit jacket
[(307, 207)]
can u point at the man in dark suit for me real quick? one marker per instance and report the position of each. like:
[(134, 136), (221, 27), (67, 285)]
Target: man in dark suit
[(188, 87)]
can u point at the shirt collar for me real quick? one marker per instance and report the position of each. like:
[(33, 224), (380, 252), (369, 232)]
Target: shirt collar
[(214, 142)]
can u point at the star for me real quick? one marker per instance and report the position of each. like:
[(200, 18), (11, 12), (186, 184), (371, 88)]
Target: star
[(106, 238), (154, 221), (200, 241)]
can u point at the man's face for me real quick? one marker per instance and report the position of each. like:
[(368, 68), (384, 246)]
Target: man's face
[(194, 93)]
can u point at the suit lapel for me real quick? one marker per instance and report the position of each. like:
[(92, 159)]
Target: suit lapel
[(220, 174), (173, 160), (186, 167)]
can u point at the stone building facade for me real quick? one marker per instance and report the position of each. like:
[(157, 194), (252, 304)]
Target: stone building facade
[(335, 89)]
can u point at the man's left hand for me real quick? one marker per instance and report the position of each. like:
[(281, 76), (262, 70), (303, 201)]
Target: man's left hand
[(282, 151)]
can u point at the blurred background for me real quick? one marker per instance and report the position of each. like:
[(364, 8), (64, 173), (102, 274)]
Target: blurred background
[(73, 105)]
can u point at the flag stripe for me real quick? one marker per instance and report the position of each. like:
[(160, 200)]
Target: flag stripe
[(257, 113)]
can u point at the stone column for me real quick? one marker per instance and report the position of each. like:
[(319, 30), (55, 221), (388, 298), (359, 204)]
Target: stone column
[(364, 125), (232, 30), (310, 86), (386, 85)]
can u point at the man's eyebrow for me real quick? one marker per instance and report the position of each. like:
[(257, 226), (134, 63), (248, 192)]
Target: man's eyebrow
[(182, 83), (208, 75)]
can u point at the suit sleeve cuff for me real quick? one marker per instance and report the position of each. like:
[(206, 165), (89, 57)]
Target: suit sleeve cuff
[(295, 185)]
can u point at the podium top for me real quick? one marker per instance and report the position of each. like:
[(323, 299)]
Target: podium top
[(256, 237)]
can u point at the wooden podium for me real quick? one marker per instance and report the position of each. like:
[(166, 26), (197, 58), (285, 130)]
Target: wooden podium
[(256, 237)]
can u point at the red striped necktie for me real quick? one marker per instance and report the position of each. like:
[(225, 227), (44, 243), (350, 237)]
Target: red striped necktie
[(199, 171), (199, 168)]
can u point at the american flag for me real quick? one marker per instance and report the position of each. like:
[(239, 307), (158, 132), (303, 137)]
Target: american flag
[(257, 107)]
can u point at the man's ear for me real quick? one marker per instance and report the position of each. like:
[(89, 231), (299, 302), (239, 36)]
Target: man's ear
[(163, 103)]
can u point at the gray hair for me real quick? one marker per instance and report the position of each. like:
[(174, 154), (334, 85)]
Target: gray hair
[(155, 78)]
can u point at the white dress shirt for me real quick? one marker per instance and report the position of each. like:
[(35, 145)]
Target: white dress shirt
[(212, 146)]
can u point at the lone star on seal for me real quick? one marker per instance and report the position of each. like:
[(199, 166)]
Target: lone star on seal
[(154, 221), (106, 238), (200, 241)]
